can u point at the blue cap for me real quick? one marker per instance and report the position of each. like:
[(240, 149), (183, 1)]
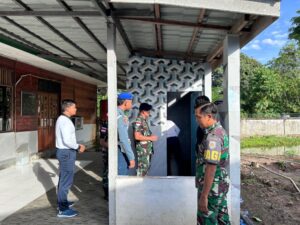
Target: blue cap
[(125, 96)]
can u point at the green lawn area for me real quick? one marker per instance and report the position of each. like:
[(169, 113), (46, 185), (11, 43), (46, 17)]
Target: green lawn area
[(269, 141)]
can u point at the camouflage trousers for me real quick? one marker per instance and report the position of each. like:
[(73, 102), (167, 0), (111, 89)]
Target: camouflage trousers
[(217, 211), (143, 161), (105, 172)]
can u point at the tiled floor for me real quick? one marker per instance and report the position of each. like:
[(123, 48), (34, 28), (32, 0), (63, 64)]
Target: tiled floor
[(28, 193)]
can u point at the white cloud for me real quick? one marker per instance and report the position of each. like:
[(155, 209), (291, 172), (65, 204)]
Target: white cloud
[(275, 32), (252, 45), (255, 46), (281, 36), (272, 42)]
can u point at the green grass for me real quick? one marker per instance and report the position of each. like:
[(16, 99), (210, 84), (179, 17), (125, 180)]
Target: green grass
[(269, 142)]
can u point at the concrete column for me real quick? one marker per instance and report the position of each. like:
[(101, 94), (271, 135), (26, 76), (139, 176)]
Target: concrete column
[(112, 118), (208, 81), (231, 108)]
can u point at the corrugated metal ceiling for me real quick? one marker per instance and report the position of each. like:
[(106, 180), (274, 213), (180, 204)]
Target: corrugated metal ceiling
[(152, 30)]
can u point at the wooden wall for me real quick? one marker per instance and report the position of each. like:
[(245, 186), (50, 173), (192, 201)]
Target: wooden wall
[(84, 94)]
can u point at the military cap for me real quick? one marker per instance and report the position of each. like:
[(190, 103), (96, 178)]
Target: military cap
[(125, 96), (145, 107)]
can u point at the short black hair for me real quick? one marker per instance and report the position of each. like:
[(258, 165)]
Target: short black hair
[(145, 107), (209, 108), (201, 100), (120, 101), (67, 103)]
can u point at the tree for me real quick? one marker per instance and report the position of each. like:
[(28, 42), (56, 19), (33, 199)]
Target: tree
[(290, 95), (287, 65), (288, 61), (295, 29), (248, 68), (264, 91), (217, 87), (267, 90)]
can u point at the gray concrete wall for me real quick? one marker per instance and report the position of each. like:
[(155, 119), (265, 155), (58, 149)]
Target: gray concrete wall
[(17, 147), (279, 127), (87, 135), (156, 201), (150, 79)]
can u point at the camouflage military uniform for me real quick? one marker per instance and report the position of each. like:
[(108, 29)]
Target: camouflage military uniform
[(214, 150), (104, 135), (144, 149)]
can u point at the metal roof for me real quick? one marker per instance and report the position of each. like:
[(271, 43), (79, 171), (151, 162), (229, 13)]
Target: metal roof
[(73, 32)]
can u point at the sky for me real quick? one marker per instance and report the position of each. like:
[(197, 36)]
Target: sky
[(269, 42)]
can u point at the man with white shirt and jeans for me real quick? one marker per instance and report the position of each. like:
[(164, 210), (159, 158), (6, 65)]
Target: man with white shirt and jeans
[(66, 150)]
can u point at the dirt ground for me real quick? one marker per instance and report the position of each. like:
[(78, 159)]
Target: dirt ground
[(269, 197)]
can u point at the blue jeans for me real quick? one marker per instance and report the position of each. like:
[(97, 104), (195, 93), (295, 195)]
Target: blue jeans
[(123, 163), (66, 158)]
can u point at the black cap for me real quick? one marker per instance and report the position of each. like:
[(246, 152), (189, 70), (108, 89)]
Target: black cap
[(145, 107)]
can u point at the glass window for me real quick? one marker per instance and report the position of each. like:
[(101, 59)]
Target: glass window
[(5, 108)]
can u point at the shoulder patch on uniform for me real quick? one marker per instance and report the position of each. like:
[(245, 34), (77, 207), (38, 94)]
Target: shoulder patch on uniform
[(212, 144)]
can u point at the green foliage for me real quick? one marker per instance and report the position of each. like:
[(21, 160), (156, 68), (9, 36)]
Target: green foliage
[(248, 67), (217, 88), (291, 153), (217, 93), (269, 141), (267, 91), (290, 95), (295, 29), (287, 64), (273, 89), (262, 92), (281, 165), (288, 61)]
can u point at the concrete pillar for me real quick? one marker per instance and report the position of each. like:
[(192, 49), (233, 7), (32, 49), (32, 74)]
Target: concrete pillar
[(208, 81), (112, 118), (231, 107)]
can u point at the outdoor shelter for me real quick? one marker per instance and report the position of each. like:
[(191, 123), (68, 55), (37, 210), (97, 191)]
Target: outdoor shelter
[(141, 45)]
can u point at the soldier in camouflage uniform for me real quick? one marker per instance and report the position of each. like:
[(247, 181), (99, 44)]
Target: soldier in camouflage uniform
[(212, 179), (143, 139), (104, 147)]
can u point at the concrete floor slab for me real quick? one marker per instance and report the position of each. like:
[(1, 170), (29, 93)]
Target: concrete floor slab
[(29, 193)]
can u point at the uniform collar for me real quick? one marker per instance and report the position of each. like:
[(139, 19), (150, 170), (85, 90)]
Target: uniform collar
[(209, 129), (120, 110), (140, 116)]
